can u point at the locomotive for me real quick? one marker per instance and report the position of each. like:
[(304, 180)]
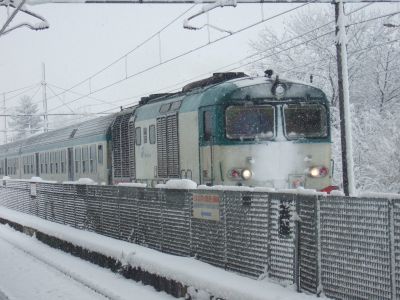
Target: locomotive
[(228, 129)]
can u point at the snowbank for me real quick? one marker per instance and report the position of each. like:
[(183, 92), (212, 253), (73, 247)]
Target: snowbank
[(240, 188), (133, 184), (83, 181), (180, 184)]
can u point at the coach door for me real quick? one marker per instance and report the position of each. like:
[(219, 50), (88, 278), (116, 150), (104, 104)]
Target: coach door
[(37, 164), (71, 164), (206, 144)]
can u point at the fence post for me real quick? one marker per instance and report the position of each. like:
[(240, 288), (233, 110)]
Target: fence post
[(74, 203), (224, 197), (162, 199), (297, 225), (269, 234), (391, 248), (318, 241), (190, 206)]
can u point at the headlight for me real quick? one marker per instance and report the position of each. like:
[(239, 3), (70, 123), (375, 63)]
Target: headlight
[(246, 174), (317, 172), (280, 90)]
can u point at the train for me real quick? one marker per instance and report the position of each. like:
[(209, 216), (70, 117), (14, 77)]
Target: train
[(228, 129)]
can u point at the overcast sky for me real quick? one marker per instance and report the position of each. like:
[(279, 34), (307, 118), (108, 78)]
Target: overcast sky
[(84, 38)]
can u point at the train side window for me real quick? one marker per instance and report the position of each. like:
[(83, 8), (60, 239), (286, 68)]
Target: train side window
[(138, 135), (85, 159), (100, 154), (47, 162), (175, 105), (144, 135), (51, 162), (165, 107), (63, 159), (77, 159), (152, 134), (92, 161), (207, 118), (41, 156)]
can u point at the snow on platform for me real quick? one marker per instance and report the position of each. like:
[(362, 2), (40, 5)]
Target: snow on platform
[(188, 271), (31, 270)]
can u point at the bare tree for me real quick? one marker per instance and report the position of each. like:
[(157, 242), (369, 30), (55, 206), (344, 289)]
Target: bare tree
[(307, 47)]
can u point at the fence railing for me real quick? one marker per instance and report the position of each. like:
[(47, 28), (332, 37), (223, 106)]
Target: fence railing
[(347, 248)]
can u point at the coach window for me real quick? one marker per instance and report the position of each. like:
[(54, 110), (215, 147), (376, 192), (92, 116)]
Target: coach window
[(152, 134), (92, 162), (100, 154), (138, 136), (77, 159), (57, 158), (63, 159), (51, 162), (41, 162), (32, 161), (85, 159), (144, 135), (207, 117), (46, 159)]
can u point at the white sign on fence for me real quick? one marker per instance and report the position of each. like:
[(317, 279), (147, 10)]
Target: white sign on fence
[(33, 189), (206, 207)]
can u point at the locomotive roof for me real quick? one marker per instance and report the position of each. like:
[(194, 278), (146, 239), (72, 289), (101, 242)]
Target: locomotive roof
[(243, 87)]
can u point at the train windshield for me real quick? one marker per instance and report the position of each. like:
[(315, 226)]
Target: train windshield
[(250, 122), (305, 121)]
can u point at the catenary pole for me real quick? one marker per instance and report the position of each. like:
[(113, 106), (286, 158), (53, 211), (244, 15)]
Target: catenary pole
[(45, 116), (344, 101)]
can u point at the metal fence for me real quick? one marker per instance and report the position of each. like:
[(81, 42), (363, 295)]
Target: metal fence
[(346, 248)]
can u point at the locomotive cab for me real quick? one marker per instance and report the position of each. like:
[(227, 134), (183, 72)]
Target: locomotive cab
[(266, 134)]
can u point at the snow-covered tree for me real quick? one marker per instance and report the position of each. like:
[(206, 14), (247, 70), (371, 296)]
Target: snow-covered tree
[(25, 121), (307, 47)]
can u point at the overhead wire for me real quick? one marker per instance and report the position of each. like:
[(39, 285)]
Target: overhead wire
[(189, 52), (259, 52), (24, 92), (80, 94), (62, 101), (19, 89), (130, 51)]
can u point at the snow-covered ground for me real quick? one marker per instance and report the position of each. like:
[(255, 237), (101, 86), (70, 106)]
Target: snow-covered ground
[(186, 270), (33, 271)]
